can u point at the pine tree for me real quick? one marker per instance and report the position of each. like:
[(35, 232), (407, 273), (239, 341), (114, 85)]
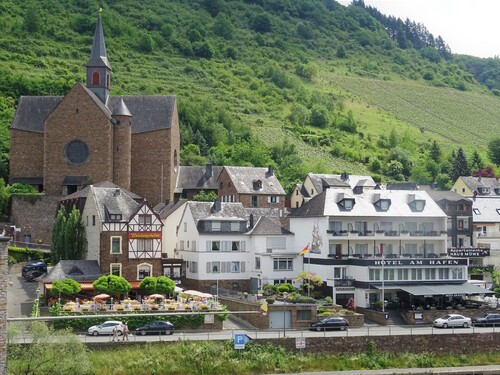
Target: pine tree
[(57, 248), (68, 236), (460, 165), (476, 161), (435, 152)]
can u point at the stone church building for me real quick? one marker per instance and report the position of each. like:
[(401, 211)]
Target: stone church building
[(62, 144)]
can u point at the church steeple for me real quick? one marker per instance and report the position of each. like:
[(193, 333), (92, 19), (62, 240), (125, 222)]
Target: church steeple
[(98, 68)]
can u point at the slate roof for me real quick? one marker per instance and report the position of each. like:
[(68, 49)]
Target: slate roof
[(473, 183), (326, 204), (197, 177), (243, 180), (486, 210), (207, 211), (148, 113), (447, 195), (164, 210), (323, 181), (114, 201), (78, 270), (269, 225), (83, 193)]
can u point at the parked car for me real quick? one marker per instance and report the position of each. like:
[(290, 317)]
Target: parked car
[(487, 320), (157, 327), (330, 323), (37, 265), (32, 275), (453, 320), (106, 328)]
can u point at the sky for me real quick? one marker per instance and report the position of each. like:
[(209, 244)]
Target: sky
[(469, 27)]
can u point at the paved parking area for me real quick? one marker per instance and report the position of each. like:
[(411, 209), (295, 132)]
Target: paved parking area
[(20, 293)]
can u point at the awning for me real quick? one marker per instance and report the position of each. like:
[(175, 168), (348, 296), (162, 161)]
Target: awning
[(442, 289)]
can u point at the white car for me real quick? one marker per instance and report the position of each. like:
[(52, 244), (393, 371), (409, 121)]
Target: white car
[(106, 328), (453, 320)]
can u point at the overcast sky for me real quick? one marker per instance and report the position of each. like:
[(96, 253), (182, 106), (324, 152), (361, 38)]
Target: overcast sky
[(470, 27)]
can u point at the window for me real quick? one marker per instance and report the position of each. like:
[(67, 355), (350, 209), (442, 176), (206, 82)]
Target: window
[(257, 184), (278, 243), (93, 219), (257, 263), (95, 79), (216, 226), (145, 245), (335, 226), (382, 204), (215, 267), (143, 270), (235, 226), (386, 226), (255, 201), (115, 217), (145, 219), (235, 267), (303, 315), (283, 264), (417, 205), (430, 274), (185, 227), (374, 274), (116, 245), (273, 199), (460, 223), (235, 246), (346, 204), (192, 266), (361, 249), (115, 269), (215, 246)]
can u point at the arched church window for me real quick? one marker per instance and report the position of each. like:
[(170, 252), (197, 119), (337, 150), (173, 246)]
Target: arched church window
[(95, 78)]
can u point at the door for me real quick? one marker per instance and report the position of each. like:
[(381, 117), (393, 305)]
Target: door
[(280, 319)]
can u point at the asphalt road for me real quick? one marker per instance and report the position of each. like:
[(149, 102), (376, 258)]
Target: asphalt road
[(20, 293)]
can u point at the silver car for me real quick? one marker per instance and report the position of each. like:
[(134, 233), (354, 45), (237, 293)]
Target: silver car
[(453, 320), (106, 328)]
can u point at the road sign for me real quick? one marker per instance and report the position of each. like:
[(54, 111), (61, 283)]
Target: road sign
[(300, 343), (240, 339)]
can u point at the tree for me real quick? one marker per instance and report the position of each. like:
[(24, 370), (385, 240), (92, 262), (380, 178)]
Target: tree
[(486, 172), (460, 165), (476, 161), (145, 43), (68, 236), (435, 152), (112, 284), (319, 116), (309, 280), (44, 355), (494, 151), (341, 52), (160, 284), (68, 287), (205, 197), (223, 27), (262, 23)]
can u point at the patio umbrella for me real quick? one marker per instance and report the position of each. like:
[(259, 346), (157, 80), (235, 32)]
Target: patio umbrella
[(178, 289), (155, 296), (102, 296), (193, 293)]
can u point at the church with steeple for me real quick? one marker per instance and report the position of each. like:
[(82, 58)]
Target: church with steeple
[(62, 144)]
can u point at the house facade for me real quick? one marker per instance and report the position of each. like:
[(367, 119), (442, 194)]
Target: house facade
[(123, 233), (315, 183), (253, 187), (379, 245)]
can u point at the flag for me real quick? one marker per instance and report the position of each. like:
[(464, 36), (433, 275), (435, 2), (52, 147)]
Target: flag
[(381, 249), (304, 250), (264, 307)]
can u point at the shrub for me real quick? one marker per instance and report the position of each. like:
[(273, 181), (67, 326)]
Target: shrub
[(269, 290)]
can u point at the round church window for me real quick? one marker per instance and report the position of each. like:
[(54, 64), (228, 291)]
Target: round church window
[(77, 152)]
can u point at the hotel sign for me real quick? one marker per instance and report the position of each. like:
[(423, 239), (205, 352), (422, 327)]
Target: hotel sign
[(468, 252), (144, 235), (418, 262)]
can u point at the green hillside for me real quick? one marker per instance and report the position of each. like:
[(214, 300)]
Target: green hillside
[(306, 85)]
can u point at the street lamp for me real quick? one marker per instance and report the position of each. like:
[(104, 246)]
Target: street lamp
[(37, 302), (284, 313)]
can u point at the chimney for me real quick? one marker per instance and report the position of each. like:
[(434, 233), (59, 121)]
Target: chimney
[(270, 170), (344, 176), (208, 170), (217, 206), (250, 221)]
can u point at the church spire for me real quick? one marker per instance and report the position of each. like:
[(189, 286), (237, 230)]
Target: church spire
[(98, 68)]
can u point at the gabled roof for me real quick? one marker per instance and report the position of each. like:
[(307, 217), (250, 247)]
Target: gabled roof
[(243, 179), (114, 201), (324, 181), (83, 193), (474, 183), (486, 210), (164, 210), (209, 211), (327, 204), (269, 225), (198, 177), (78, 270), (447, 195), (149, 112)]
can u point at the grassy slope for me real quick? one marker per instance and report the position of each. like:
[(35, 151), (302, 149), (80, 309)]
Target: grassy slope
[(450, 116)]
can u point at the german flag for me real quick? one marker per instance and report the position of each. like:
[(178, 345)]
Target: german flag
[(304, 250)]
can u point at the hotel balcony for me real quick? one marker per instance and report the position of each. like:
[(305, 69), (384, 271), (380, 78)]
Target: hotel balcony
[(380, 234)]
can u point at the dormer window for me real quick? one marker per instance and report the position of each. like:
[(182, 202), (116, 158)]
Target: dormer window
[(497, 191), (417, 205), (115, 217), (257, 184), (382, 204), (482, 190), (346, 204)]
